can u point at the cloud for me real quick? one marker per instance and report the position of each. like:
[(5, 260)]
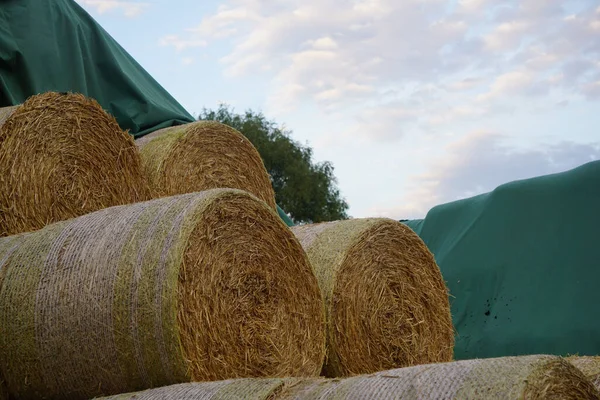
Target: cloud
[(187, 61), (128, 8), (179, 43), (479, 162)]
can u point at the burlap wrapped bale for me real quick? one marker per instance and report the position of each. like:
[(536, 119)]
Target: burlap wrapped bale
[(589, 365), (534, 377), (62, 156), (242, 389), (203, 286), (387, 304), (203, 155)]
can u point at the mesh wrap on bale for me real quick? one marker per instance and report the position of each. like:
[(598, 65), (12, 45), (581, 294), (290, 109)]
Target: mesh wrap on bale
[(534, 377), (589, 365), (202, 286), (242, 389), (203, 155), (387, 304)]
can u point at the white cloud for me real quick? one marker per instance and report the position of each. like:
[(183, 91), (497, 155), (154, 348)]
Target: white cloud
[(128, 8), (187, 61), (478, 163), (179, 43)]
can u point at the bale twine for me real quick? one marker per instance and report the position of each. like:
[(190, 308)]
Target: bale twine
[(387, 304), (62, 156), (203, 155), (534, 377), (195, 287), (589, 365), (242, 389)]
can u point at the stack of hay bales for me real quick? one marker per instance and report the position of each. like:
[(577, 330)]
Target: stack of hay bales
[(525, 377), (589, 365), (203, 155), (387, 304), (62, 156), (195, 287)]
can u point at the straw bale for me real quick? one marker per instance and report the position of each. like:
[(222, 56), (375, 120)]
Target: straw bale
[(203, 155), (387, 304), (196, 287), (589, 365), (525, 377), (62, 156), (242, 389)]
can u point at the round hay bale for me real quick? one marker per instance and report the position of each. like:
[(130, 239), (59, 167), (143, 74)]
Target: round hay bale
[(533, 377), (243, 389), (196, 287), (387, 304), (589, 365), (62, 156), (203, 155)]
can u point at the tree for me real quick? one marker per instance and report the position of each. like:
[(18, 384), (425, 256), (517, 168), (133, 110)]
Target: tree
[(304, 189)]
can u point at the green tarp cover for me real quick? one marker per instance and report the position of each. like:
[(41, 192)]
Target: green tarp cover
[(523, 265), (57, 46)]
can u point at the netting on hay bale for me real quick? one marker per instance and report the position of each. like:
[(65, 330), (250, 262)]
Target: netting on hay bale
[(242, 389), (387, 304), (62, 156), (533, 377), (195, 287), (203, 155), (589, 365)]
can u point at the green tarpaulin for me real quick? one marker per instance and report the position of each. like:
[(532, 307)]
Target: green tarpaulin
[(57, 46), (523, 265)]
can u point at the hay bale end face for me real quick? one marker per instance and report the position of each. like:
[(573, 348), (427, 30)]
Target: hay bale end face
[(534, 377), (589, 365), (196, 287), (62, 156), (203, 155), (387, 304)]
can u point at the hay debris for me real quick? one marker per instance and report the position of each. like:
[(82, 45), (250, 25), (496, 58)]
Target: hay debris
[(62, 156), (203, 155), (589, 365), (196, 287), (387, 304)]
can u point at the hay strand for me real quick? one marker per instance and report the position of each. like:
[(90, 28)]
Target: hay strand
[(62, 156), (203, 155), (589, 365), (196, 287), (387, 304)]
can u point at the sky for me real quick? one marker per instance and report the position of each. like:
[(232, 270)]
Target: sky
[(415, 102)]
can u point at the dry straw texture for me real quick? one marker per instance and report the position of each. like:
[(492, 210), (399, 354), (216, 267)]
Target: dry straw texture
[(203, 286), (589, 365), (534, 377), (387, 304), (203, 155), (62, 156)]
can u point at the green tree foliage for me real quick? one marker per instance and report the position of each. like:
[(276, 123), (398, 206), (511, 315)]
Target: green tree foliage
[(304, 189)]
